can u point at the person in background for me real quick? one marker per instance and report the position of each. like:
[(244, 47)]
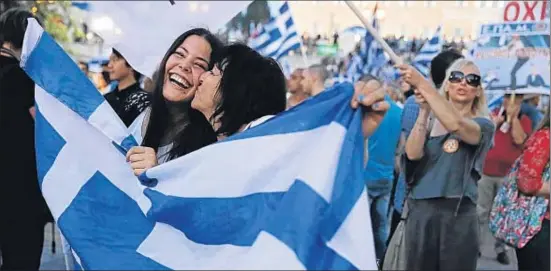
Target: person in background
[(438, 65), (533, 179), (313, 82), (23, 211), (83, 66), (379, 171), (127, 99), (508, 143), (294, 86), (443, 163)]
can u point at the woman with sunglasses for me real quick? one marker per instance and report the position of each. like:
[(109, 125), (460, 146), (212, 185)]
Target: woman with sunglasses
[(443, 162)]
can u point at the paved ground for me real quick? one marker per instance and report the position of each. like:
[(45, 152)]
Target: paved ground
[(486, 262)]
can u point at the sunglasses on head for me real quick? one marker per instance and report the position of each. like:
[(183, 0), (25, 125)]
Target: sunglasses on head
[(472, 79)]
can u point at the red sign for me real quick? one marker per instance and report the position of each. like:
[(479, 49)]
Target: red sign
[(526, 11)]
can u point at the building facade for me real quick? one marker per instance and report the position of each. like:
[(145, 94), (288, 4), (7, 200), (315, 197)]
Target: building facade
[(408, 18)]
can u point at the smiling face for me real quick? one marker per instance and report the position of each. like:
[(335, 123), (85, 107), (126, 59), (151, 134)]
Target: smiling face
[(461, 91), (184, 67), (206, 99)]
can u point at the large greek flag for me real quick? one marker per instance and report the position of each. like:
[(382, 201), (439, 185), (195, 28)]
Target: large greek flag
[(287, 194), (430, 49), (279, 35)]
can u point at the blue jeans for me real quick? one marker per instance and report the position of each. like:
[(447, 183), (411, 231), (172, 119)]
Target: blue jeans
[(380, 223)]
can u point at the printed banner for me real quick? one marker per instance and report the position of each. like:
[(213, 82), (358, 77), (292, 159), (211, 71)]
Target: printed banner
[(514, 56)]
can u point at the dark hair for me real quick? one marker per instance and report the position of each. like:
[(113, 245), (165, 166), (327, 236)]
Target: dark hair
[(252, 86), (13, 24), (83, 63), (197, 132), (137, 74), (440, 64)]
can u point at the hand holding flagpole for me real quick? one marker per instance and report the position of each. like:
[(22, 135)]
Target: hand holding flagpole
[(395, 58)]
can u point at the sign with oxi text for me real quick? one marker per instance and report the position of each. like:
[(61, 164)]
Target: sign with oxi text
[(513, 56), (526, 11)]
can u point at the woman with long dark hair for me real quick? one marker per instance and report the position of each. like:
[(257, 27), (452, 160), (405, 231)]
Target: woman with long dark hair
[(170, 127), (242, 89)]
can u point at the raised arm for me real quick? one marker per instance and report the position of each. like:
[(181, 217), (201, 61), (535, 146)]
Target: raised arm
[(468, 130)]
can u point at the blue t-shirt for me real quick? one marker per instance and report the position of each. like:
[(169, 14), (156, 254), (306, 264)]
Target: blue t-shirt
[(382, 147)]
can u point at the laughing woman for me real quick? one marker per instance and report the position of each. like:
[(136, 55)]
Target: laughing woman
[(441, 228), (170, 128)]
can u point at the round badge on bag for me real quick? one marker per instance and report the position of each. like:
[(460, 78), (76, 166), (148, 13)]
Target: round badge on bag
[(451, 145)]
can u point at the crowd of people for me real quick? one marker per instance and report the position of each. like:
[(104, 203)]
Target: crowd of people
[(436, 160), (441, 152)]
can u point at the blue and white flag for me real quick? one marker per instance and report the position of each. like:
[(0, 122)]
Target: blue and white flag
[(430, 49), (279, 35), (374, 56), (286, 194), (355, 67)]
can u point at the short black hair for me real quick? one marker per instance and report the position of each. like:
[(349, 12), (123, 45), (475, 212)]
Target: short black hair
[(252, 86), (83, 63), (137, 74), (440, 64), (13, 24)]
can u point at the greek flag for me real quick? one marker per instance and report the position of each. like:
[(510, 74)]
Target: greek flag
[(374, 55), (279, 35), (430, 49), (286, 194), (355, 68)]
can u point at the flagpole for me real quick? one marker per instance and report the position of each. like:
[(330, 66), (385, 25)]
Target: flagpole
[(395, 58)]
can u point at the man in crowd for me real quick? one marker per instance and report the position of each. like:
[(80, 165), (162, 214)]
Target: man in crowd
[(313, 82), (512, 129), (379, 171), (127, 99), (23, 212), (294, 86)]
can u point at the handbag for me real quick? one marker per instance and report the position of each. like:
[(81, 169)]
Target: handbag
[(515, 218), (395, 256)]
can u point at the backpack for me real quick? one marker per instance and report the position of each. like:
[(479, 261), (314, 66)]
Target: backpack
[(515, 217)]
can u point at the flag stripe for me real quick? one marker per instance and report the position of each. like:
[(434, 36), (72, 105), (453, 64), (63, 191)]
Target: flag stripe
[(277, 37), (60, 82)]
